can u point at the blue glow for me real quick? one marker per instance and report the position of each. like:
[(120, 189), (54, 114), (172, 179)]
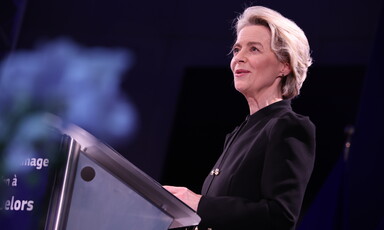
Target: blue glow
[(79, 84)]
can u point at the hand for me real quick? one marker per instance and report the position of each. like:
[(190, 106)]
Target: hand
[(184, 194)]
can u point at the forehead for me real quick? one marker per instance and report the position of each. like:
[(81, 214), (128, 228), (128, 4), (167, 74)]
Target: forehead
[(254, 33)]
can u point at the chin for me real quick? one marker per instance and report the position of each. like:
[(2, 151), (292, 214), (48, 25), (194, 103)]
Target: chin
[(240, 90), (239, 86)]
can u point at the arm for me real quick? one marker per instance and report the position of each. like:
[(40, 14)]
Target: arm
[(287, 167)]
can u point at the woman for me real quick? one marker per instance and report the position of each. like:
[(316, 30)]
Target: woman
[(260, 179)]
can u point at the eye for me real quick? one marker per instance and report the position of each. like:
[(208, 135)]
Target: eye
[(235, 50), (254, 49)]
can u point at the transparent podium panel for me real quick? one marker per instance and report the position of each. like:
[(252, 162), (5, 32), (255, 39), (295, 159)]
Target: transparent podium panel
[(99, 189), (102, 201), (70, 180)]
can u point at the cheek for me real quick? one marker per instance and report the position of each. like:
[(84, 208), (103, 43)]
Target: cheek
[(232, 65), (265, 66)]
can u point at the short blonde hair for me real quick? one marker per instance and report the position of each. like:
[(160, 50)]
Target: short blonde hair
[(288, 42)]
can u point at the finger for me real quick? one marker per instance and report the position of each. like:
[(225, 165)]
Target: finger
[(171, 189)]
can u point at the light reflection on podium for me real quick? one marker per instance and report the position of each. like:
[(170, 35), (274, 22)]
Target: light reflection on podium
[(97, 188)]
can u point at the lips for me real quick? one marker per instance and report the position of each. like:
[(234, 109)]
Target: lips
[(241, 72)]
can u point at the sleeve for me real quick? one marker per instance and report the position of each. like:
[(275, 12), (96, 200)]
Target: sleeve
[(287, 167)]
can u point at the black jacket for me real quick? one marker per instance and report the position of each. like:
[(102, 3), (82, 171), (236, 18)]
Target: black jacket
[(260, 179)]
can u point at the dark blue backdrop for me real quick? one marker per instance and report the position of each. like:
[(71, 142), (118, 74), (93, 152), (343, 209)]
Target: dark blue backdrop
[(180, 76)]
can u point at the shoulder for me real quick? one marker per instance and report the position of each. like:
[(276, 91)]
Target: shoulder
[(292, 135), (290, 123)]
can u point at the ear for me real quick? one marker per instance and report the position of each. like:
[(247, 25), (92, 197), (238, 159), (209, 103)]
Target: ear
[(285, 69)]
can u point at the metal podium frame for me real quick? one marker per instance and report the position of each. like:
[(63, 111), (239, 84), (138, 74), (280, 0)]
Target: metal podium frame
[(132, 197)]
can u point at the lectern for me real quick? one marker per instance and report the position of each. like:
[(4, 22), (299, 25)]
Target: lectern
[(94, 187)]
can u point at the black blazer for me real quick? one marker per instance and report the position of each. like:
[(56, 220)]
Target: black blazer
[(260, 179)]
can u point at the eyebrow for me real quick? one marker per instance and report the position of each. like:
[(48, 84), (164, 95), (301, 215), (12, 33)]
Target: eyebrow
[(249, 44)]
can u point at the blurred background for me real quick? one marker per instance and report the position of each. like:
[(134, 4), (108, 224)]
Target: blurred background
[(179, 85)]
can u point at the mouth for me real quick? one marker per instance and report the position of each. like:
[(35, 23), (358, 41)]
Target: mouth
[(241, 72)]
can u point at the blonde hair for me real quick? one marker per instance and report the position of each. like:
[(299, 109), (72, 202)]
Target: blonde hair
[(288, 42)]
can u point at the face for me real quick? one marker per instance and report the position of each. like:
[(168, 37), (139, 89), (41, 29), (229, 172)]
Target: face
[(255, 67)]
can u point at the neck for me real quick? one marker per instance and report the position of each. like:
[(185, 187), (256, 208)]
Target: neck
[(255, 104)]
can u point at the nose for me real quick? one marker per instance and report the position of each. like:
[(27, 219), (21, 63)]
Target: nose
[(239, 57)]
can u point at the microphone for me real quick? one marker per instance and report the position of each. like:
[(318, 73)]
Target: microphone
[(348, 130)]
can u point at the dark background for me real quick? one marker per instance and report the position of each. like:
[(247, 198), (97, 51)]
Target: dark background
[(180, 82)]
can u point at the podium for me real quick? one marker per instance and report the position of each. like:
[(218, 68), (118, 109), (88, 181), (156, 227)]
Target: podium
[(94, 187)]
